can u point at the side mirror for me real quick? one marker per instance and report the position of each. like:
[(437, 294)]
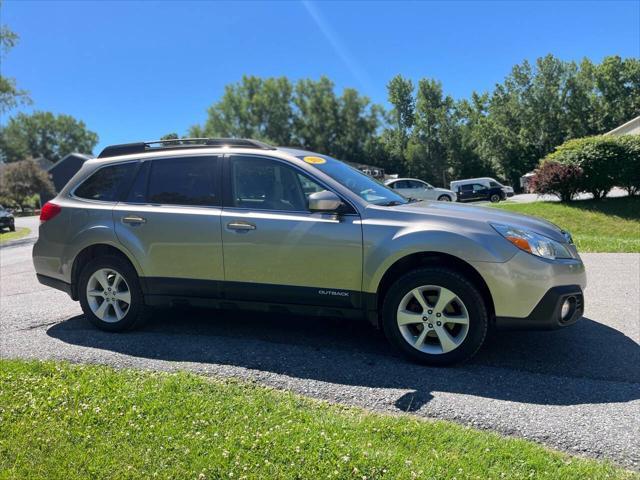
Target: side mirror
[(324, 201)]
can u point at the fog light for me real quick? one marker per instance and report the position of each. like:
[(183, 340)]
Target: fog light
[(567, 308)]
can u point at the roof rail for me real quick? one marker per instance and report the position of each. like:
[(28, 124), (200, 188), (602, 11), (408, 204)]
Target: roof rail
[(180, 143)]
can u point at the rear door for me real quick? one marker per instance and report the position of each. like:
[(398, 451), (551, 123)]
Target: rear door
[(275, 249), (466, 193), (170, 222)]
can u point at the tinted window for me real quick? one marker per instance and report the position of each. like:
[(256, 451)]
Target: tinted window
[(414, 184), (106, 183), (494, 184), (267, 185), (182, 181), (477, 187), (466, 188)]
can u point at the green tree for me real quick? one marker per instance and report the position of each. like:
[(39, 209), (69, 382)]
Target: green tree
[(434, 133), (617, 92), (465, 158), (358, 122), (43, 134), (170, 136), (21, 180), (253, 108), (10, 95), (400, 94), (316, 115), (539, 107)]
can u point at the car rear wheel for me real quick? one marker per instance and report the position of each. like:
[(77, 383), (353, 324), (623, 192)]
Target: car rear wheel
[(495, 198), (444, 198), (435, 316), (110, 294)]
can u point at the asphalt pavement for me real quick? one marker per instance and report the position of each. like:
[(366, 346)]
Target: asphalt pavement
[(577, 389)]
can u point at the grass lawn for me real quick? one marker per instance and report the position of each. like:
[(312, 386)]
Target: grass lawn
[(608, 225), (68, 422), (6, 235)]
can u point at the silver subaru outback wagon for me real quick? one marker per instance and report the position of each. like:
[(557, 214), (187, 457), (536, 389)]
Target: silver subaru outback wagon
[(222, 222)]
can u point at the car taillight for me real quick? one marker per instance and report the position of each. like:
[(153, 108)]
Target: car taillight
[(49, 210)]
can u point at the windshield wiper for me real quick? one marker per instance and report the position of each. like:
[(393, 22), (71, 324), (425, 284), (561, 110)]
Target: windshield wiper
[(391, 203)]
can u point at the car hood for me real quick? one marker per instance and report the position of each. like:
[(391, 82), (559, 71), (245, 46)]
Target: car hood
[(5, 214), (457, 212)]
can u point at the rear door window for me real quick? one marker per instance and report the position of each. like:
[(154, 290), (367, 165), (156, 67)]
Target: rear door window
[(182, 181), (107, 183)]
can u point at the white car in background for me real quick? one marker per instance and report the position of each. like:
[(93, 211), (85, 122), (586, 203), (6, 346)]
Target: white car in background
[(420, 190)]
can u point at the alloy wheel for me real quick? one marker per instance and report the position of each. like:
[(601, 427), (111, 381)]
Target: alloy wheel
[(108, 295), (433, 319)]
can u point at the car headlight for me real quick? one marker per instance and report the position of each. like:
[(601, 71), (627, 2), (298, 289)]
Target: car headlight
[(532, 242)]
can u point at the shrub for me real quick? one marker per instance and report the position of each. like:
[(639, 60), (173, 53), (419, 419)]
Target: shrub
[(563, 180), (604, 161), (629, 173)]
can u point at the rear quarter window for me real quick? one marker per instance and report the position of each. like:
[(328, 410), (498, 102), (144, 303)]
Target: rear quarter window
[(107, 183)]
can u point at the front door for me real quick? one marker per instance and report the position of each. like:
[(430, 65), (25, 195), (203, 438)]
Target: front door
[(275, 249), (171, 223), (480, 192)]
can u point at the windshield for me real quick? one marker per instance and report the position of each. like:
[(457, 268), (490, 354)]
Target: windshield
[(362, 185)]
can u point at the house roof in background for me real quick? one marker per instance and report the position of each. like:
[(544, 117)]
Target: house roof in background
[(82, 156), (631, 125)]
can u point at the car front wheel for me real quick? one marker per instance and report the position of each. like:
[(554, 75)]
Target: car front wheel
[(435, 316), (110, 294), (495, 198)]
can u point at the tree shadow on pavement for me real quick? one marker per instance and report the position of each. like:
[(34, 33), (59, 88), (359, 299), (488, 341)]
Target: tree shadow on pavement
[(547, 368)]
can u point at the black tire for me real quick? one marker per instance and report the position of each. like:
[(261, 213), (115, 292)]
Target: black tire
[(458, 284), (12, 228), (444, 198), (137, 311), (495, 198)]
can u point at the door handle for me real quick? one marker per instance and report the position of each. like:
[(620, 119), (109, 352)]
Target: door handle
[(133, 219), (241, 226)]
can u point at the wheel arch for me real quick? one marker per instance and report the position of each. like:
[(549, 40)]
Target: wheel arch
[(93, 251), (434, 259)]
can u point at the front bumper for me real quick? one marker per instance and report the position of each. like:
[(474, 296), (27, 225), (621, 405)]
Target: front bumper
[(547, 315), (6, 222), (518, 285)]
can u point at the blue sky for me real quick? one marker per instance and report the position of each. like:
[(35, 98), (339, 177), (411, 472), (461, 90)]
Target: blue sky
[(136, 70)]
